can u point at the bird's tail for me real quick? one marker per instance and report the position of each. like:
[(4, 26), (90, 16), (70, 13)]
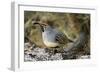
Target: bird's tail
[(76, 44)]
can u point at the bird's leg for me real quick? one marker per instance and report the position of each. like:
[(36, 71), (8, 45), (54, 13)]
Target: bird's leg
[(52, 51), (55, 50), (49, 50)]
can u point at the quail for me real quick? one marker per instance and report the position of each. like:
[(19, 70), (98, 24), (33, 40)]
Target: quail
[(52, 37)]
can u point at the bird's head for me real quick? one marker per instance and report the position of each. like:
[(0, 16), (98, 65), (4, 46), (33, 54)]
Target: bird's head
[(35, 20), (44, 22)]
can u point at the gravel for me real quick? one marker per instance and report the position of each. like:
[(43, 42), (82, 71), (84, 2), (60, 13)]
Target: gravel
[(33, 53)]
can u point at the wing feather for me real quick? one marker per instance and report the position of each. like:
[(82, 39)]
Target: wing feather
[(61, 38)]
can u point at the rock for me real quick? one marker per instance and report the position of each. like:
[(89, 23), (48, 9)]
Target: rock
[(39, 54), (32, 53), (84, 57), (27, 57), (57, 56)]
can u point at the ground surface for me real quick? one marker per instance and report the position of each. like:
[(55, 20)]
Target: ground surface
[(33, 53)]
